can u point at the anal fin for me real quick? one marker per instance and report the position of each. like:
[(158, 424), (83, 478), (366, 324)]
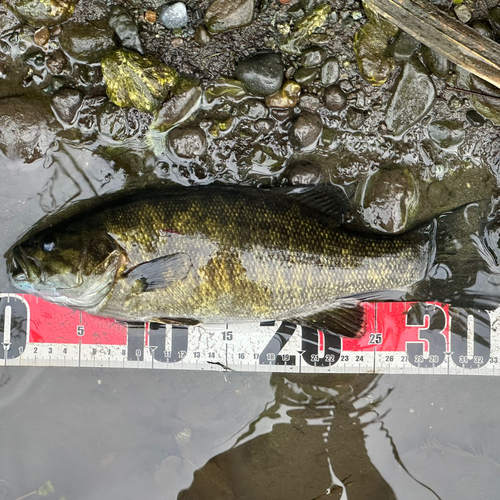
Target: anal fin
[(346, 318)]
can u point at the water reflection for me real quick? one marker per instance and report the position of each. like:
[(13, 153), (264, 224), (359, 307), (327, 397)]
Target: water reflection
[(308, 444)]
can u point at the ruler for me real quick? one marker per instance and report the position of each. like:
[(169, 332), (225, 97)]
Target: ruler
[(400, 338)]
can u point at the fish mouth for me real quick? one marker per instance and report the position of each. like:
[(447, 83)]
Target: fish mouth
[(23, 272)]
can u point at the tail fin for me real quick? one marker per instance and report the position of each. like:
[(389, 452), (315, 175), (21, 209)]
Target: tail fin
[(466, 267)]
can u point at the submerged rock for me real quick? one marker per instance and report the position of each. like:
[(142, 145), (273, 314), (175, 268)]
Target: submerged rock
[(404, 46), (437, 63), (312, 57), (178, 108), (474, 118), (261, 74), (413, 98), (303, 173), (142, 82), (42, 12), (66, 103), (388, 200), (125, 28), (306, 130), (305, 76), (224, 15), (86, 42), (27, 128), (355, 118), (174, 15), (446, 133), (187, 142), (370, 46)]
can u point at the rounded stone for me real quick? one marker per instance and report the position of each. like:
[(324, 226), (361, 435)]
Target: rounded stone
[(187, 142), (388, 200), (304, 173), (261, 74), (305, 76), (313, 57), (474, 118), (173, 16), (56, 62), (335, 98), (254, 108), (263, 126), (330, 72), (125, 29), (86, 42), (308, 102), (306, 130), (224, 15), (201, 36), (446, 133)]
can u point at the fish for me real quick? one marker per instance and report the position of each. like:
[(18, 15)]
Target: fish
[(220, 254)]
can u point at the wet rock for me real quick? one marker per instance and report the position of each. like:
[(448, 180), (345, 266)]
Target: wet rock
[(56, 62), (306, 130), (66, 103), (370, 46), (287, 97), (224, 15), (474, 118), (27, 127), (335, 98), (308, 102), (253, 108), (263, 126), (225, 87), (437, 63), (201, 36), (388, 200), (142, 82), (304, 173), (305, 76), (42, 12), (261, 74), (125, 28), (178, 108), (330, 72), (486, 106), (494, 19), (355, 118), (187, 142), (41, 36), (313, 57), (413, 98), (303, 29), (150, 16), (404, 46), (173, 15), (446, 133), (282, 114), (86, 42)]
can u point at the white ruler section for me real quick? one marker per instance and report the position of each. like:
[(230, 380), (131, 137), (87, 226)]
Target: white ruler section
[(399, 338)]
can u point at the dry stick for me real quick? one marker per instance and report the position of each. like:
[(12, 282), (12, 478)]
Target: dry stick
[(434, 28)]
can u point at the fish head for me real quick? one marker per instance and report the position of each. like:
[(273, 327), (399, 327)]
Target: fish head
[(71, 265)]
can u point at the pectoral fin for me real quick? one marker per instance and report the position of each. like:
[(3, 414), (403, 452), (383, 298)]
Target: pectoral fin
[(159, 273), (346, 319)]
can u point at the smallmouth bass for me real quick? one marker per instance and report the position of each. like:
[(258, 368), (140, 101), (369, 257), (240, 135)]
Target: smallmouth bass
[(219, 254)]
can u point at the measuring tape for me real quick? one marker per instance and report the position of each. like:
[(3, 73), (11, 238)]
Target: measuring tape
[(400, 338)]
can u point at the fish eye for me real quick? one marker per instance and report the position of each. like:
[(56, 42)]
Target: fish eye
[(48, 246)]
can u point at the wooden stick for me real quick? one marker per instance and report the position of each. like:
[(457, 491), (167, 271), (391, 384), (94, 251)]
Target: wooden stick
[(456, 41)]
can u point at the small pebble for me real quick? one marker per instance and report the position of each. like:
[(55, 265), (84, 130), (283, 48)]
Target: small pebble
[(306, 130), (177, 42), (355, 118), (263, 126), (201, 36), (150, 16), (330, 72), (282, 114), (41, 36), (187, 142), (463, 13), (308, 102), (312, 57), (334, 98), (304, 173), (174, 15), (305, 76), (56, 62), (474, 118)]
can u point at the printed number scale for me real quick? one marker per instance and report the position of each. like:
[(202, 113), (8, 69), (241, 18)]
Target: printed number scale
[(401, 337)]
